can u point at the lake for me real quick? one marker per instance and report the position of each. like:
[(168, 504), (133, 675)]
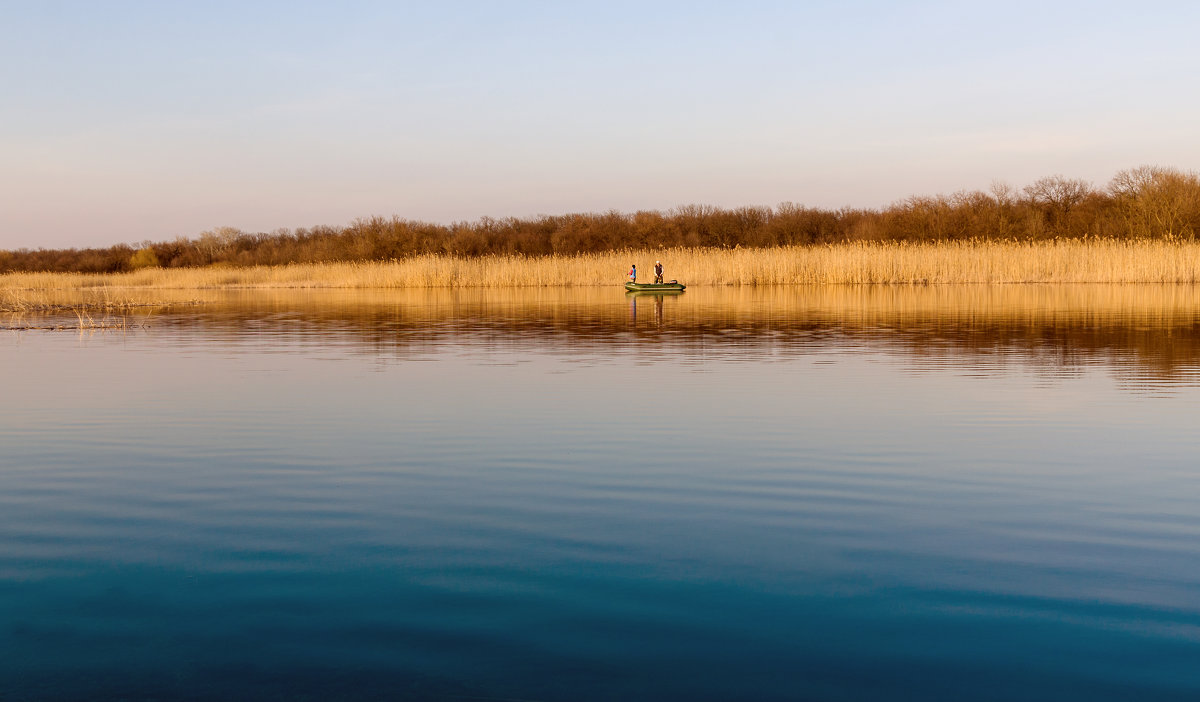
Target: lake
[(833, 493)]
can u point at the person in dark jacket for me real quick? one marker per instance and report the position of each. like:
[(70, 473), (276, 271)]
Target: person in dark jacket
[(658, 272)]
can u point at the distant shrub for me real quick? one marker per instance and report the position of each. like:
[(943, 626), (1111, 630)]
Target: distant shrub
[(144, 258)]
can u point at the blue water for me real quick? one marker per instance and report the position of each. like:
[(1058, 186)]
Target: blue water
[(705, 497)]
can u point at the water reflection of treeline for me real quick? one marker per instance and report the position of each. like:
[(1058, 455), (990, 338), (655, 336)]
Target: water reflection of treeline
[(1139, 203), (1138, 330)]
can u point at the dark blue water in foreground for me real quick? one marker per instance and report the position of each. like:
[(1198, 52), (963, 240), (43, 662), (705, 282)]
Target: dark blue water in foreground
[(694, 498)]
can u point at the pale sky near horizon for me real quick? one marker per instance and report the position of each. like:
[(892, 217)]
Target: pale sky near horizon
[(126, 121)]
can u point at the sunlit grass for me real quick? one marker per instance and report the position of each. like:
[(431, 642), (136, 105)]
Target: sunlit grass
[(1067, 261), (90, 308)]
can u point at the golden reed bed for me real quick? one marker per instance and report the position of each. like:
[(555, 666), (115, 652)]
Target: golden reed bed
[(1072, 261)]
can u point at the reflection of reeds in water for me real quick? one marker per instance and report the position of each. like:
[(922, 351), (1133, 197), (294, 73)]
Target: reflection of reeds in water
[(1090, 261), (865, 305), (1147, 334), (1149, 329)]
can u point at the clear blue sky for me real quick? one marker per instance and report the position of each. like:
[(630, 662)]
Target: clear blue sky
[(126, 121)]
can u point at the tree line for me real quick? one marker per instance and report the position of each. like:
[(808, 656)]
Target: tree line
[(1140, 203)]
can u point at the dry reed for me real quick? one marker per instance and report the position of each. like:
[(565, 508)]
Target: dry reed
[(991, 262)]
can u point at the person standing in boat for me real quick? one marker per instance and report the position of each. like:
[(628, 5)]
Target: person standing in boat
[(658, 272), (633, 273)]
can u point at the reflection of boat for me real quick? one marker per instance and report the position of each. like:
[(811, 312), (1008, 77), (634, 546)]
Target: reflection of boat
[(673, 286), (654, 293)]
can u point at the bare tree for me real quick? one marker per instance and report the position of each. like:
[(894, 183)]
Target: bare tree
[(214, 244), (1003, 193), (1157, 201), (1062, 194)]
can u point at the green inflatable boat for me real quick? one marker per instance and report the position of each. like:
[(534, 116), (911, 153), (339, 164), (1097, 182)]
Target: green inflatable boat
[(670, 286)]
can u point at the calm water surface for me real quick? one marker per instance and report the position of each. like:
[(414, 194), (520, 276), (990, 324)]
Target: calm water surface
[(825, 494)]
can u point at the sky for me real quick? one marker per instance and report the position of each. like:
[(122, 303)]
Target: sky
[(122, 122)]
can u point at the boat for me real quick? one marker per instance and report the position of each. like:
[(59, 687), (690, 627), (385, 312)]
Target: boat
[(669, 286), (657, 294)]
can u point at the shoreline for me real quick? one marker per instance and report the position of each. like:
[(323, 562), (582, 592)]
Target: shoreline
[(861, 263)]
